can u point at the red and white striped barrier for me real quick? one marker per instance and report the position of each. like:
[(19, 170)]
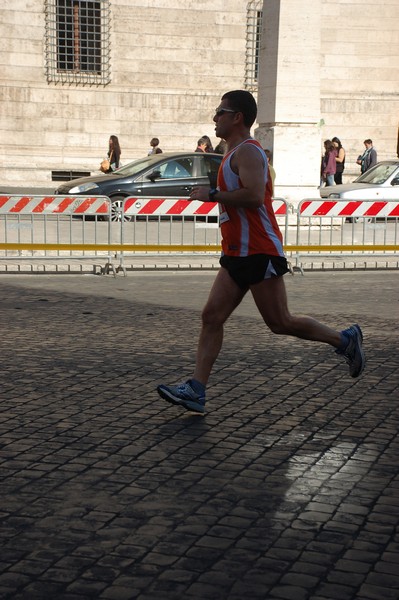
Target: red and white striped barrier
[(349, 208), (54, 205), (169, 206), (182, 207)]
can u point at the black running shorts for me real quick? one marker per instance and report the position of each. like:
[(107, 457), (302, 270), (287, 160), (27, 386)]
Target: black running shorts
[(249, 270)]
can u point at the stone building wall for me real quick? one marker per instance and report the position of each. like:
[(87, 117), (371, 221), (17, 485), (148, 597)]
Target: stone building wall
[(170, 63), (360, 75), (331, 69), (169, 66)]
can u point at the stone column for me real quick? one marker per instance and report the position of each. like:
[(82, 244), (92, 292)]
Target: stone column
[(289, 95)]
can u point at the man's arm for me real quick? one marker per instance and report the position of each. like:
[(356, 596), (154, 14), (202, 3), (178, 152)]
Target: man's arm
[(341, 156), (373, 157), (248, 164), (331, 165)]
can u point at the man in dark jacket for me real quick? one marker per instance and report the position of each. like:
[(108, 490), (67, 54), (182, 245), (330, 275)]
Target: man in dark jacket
[(369, 157)]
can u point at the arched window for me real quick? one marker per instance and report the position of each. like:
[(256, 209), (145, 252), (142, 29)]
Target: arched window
[(254, 32), (77, 41)]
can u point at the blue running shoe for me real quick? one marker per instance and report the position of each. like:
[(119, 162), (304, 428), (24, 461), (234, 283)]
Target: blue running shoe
[(353, 353), (183, 395)]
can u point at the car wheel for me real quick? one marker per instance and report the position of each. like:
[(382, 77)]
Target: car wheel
[(117, 209)]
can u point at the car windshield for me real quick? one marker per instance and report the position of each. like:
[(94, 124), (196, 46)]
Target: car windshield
[(378, 174), (137, 166)]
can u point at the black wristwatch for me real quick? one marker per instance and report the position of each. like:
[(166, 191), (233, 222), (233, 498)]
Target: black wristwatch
[(212, 194)]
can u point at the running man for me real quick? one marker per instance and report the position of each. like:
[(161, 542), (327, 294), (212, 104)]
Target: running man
[(252, 256)]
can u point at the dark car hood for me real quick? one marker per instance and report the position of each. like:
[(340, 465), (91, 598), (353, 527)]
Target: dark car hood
[(65, 187)]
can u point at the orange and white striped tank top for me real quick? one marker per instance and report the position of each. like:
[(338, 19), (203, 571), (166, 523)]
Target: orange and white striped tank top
[(248, 231)]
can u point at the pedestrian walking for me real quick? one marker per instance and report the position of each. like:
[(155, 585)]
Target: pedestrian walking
[(271, 168), (155, 149), (112, 162), (201, 145), (252, 256), (369, 157), (339, 159), (204, 144), (328, 164)]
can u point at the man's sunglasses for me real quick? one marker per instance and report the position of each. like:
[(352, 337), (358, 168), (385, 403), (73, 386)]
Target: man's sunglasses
[(220, 111)]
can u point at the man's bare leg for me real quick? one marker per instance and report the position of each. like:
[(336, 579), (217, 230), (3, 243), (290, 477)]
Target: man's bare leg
[(271, 299), (224, 298)]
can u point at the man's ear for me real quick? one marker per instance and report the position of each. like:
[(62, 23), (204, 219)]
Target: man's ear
[(238, 117)]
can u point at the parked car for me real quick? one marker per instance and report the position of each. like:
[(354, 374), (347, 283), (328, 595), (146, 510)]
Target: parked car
[(159, 175), (381, 182)]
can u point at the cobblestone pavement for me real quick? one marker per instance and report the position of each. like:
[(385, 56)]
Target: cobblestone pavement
[(287, 489)]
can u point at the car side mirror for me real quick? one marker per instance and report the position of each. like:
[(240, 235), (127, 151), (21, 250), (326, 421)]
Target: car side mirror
[(154, 175), (395, 181)]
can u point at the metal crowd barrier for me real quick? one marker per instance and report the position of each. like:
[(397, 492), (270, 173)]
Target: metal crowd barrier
[(69, 228), (176, 225), (337, 229), (56, 228)]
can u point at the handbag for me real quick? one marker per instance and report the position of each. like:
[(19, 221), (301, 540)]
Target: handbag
[(106, 163)]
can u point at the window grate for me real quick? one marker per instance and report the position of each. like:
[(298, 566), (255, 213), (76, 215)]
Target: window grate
[(68, 175), (253, 39), (78, 41)]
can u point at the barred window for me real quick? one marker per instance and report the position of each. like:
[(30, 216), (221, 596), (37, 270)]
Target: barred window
[(78, 41), (254, 32)]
